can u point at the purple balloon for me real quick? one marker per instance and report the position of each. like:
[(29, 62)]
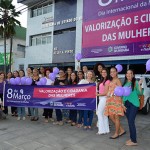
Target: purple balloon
[(17, 80), (52, 76), (119, 91), (55, 70), (127, 91), (28, 81), (119, 67), (78, 56), (43, 81), (23, 80), (38, 83), (148, 65), (12, 81)]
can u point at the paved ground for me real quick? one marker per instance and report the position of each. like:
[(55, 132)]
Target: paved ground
[(27, 135)]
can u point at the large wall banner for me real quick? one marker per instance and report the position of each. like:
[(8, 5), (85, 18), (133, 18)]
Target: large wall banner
[(116, 28), (79, 97)]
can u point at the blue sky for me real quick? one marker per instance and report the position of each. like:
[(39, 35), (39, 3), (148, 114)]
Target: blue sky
[(23, 16)]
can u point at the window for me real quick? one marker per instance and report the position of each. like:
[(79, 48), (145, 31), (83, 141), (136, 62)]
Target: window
[(44, 9), (34, 12), (49, 39), (20, 48), (21, 67), (39, 11), (38, 41), (41, 39)]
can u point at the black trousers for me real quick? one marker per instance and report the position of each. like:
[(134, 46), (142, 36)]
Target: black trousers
[(5, 107), (48, 113)]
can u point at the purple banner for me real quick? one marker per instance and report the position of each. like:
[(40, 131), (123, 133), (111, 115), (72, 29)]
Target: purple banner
[(116, 28), (79, 97)]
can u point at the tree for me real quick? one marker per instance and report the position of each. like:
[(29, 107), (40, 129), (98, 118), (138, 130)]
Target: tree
[(7, 25)]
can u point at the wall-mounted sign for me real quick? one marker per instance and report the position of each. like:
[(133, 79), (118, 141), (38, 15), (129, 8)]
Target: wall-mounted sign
[(49, 22), (115, 28)]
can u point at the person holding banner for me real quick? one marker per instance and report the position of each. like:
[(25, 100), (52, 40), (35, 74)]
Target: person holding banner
[(60, 81), (35, 79), (81, 112), (88, 114), (2, 82), (29, 73), (21, 110), (14, 109), (73, 113), (114, 103), (48, 112), (103, 124)]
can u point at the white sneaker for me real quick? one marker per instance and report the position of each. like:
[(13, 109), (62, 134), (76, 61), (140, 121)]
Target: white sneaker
[(18, 118), (24, 118)]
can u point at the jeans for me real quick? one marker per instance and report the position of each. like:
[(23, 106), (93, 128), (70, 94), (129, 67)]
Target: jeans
[(131, 114), (88, 117), (73, 115), (58, 115), (48, 113), (21, 111), (80, 119), (34, 112)]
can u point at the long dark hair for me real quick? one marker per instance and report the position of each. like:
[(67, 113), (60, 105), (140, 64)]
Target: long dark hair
[(96, 68), (133, 79), (107, 77), (116, 71), (76, 79)]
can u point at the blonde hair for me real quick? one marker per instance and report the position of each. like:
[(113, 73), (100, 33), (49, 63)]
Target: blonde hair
[(35, 69), (93, 75)]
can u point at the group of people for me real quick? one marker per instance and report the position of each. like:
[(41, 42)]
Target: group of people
[(109, 106)]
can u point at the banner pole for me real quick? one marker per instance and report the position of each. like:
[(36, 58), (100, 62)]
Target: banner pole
[(4, 93), (96, 97)]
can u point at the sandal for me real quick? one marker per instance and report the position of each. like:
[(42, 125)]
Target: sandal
[(131, 144)]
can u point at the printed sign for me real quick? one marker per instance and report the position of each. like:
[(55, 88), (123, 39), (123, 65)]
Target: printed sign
[(116, 28), (79, 97)]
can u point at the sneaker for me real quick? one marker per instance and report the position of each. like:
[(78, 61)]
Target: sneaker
[(18, 118), (24, 118), (60, 123)]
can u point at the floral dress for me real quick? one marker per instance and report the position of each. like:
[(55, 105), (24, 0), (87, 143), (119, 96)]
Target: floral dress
[(113, 103)]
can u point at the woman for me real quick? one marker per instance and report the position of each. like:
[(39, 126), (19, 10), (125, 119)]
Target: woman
[(60, 81), (21, 110), (34, 111), (73, 113), (132, 104), (114, 108), (103, 124), (9, 76), (98, 71), (42, 72), (68, 77), (2, 82), (48, 112), (14, 109), (88, 114), (81, 112), (29, 73)]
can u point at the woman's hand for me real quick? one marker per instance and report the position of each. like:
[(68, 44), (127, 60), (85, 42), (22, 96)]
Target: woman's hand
[(140, 82), (97, 94), (124, 108), (61, 83)]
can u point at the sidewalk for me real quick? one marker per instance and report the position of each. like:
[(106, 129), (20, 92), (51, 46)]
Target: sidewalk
[(27, 135)]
